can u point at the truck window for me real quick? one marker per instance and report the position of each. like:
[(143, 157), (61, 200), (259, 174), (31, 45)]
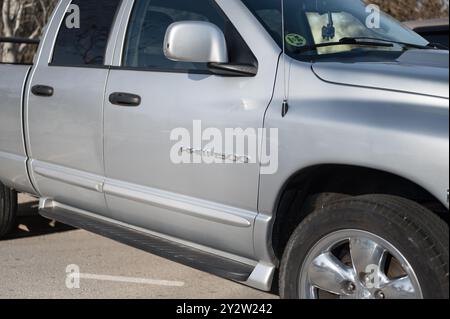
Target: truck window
[(148, 25), (85, 44)]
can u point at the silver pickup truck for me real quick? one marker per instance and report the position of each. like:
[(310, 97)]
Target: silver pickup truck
[(301, 141)]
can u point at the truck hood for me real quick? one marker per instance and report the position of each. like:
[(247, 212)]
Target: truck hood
[(424, 72)]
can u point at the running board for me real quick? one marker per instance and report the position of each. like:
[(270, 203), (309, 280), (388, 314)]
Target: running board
[(179, 253)]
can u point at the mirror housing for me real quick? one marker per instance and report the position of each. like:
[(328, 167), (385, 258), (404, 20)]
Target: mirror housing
[(195, 42)]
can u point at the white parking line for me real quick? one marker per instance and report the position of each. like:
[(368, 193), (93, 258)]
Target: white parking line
[(74, 277), (133, 280)]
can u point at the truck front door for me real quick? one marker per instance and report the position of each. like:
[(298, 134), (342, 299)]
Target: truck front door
[(214, 205)]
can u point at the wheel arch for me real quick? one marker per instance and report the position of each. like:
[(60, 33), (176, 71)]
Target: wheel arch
[(314, 186)]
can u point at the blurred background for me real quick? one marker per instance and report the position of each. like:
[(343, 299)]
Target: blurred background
[(406, 10), (27, 18)]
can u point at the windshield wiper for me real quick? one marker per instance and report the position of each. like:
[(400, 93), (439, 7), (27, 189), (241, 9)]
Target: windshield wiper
[(403, 44), (347, 41)]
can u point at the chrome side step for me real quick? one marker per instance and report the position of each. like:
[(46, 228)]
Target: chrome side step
[(182, 254)]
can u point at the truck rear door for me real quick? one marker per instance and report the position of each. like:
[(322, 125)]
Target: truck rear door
[(65, 104)]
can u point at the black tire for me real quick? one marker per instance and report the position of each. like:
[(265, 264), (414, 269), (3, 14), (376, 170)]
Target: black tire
[(8, 209), (421, 236)]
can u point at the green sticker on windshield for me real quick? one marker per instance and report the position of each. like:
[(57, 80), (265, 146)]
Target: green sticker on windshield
[(296, 40)]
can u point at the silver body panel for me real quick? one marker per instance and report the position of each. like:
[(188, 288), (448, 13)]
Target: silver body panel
[(115, 162), (400, 133), (402, 76), (223, 203), (13, 157), (65, 131), (75, 114)]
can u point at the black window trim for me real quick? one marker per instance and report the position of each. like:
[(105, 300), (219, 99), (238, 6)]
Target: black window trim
[(162, 70), (79, 66), (108, 43), (179, 71)]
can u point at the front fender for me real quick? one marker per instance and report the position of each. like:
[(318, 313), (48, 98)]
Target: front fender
[(402, 134)]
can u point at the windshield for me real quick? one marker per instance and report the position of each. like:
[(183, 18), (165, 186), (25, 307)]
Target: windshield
[(316, 22)]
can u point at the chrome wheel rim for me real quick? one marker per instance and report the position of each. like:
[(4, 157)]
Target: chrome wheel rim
[(355, 264)]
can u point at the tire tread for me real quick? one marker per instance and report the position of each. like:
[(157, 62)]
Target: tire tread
[(8, 208)]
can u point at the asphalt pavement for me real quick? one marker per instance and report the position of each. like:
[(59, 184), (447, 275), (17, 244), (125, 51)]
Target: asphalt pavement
[(43, 259)]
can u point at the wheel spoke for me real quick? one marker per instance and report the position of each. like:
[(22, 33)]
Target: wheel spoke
[(326, 272), (368, 258), (401, 288), (357, 264)]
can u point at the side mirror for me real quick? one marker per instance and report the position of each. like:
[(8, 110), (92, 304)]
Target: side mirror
[(195, 42)]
